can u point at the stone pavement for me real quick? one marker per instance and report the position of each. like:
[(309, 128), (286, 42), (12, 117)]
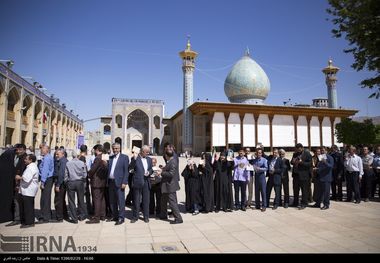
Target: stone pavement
[(344, 228)]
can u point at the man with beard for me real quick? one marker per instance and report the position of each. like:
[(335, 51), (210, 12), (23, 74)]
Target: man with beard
[(223, 177), (169, 187)]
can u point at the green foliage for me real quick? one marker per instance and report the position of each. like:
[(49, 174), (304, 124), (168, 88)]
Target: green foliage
[(352, 132), (359, 22)]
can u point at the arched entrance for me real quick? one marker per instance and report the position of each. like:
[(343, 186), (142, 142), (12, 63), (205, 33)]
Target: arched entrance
[(139, 121)]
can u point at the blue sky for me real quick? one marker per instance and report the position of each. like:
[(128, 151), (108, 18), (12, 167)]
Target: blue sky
[(86, 52)]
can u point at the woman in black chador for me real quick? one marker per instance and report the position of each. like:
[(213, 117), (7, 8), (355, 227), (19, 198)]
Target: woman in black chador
[(192, 188), (207, 183), (223, 183)]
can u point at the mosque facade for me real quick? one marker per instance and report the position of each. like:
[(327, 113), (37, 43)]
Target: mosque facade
[(245, 121)]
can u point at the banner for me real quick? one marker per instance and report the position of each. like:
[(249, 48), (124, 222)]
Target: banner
[(80, 140)]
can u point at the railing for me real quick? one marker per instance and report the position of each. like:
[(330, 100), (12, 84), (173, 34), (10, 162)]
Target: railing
[(11, 116)]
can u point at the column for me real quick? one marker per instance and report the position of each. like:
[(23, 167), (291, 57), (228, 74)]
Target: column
[(320, 119), (211, 116), (241, 115), (4, 102), (332, 121), (308, 119), (270, 116), (16, 138), (256, 116), (295, 118), (226, 115), (29, 139)]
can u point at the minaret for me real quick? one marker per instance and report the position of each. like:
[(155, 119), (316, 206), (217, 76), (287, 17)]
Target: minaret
[(188, 56), (330, 72)]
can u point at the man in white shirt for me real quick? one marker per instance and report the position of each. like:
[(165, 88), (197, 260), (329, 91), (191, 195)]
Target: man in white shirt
[(354, 173), (28, 190)]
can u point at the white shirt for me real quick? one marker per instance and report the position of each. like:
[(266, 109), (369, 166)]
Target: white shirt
[(354, 164), (114, 162), (145, 164), (29, 182)]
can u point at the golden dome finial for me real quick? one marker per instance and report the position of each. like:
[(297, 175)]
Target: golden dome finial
[(188, 46), (330, 62)]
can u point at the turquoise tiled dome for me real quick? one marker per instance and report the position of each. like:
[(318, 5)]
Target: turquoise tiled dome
[(247, 82)]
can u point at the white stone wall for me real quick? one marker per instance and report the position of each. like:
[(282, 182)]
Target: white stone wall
[(234, 128), (249, 130), (263, 130), (283, 131), (218, 130), (302, 131)]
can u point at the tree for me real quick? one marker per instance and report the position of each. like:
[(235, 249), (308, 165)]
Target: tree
[(352, 132), (359, 22)]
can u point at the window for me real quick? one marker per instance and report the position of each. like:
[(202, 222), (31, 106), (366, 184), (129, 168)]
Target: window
[(119, 121), (156, 121)]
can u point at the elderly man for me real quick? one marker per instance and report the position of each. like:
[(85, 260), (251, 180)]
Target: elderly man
[(169, 187), (141, 184), (276, 168), (324, 177), (60, 189), (117, 182), (260, 165), (46, 168), (354, 173), (75, 176)]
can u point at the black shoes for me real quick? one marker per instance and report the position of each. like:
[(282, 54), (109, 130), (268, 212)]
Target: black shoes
[(119, 222), (27, 226), (56, 221), (112, 220), (357, 202), (134, 220), (146, 220), (274, 207), (302, 207), (324, 207), (13, 223), (263, 209), (42, 222), (243, 209), (72, 221), (176, 222), (286, 205), (93, 221), (316, 205)]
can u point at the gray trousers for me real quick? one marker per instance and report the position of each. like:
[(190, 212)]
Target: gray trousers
[(250, 190), (172, 199), (17, 200), (76, 187)]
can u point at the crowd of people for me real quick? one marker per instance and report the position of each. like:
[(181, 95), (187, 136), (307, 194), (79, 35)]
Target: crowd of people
[(98, 184), (95, 185), (210, 185)]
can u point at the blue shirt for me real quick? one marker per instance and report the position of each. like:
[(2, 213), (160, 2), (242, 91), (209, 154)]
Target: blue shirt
[(376, 161), (240, 171), (46, 167), (262, 165)]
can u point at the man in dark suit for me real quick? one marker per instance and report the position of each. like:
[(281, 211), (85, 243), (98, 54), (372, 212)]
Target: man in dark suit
[(324, 178), (169, 187), (98, 180), (275, 169), (285, 178), (338, 174), (141, 184), (301, 162), (60, 188), (118, 170)]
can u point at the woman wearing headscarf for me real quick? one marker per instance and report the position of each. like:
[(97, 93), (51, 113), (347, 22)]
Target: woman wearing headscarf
[(192, 188), (223, 183), (207, 182)]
